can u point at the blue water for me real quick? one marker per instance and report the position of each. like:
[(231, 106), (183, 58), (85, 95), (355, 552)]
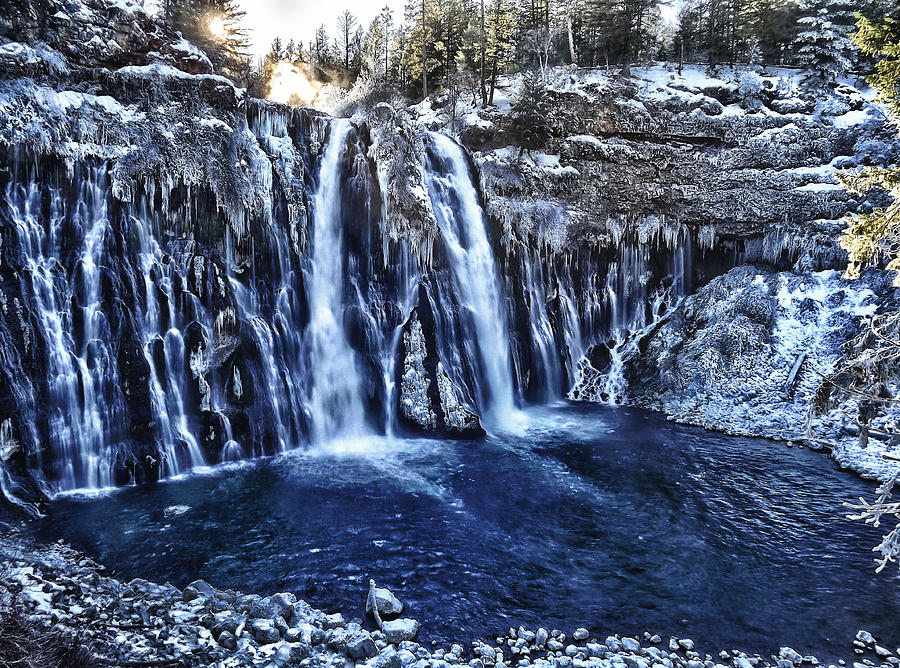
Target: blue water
[(609, 518)]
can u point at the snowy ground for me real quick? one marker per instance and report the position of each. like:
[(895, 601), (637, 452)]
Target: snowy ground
[(774, 92)]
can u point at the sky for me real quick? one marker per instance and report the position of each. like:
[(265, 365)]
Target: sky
[(298, 19)]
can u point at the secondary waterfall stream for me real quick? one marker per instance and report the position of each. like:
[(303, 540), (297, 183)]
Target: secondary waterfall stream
[(464, 232)]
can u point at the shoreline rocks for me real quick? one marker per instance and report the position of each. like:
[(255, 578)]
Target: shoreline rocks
[(140, 622)]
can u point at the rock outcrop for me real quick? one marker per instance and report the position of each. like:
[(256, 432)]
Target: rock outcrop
[(98, 33), (749, 353), (430, 402), (746, 160)]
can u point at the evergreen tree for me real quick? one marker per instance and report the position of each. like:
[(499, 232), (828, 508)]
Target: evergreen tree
[(216, 27), (267, 66), (418, 55), (320, 49), (347, 38), (770, 28), (293, 52), (823, 46), (530, 113), (373, 50), (499, 29), (875, 237), (386, 22), (620, 30)]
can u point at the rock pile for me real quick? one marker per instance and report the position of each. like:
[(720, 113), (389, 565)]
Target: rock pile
[(140, 623)]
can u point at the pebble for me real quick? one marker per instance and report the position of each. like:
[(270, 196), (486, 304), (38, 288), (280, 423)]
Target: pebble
[(790, 654), (361, 647), (631, 645), (334, 621), (387, 603), (865, 637)]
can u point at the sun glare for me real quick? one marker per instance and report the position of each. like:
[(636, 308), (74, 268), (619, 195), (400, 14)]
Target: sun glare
[(218, 28), (289, 85)]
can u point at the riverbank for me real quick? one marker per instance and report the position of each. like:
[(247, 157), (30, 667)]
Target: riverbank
[(140, 623)]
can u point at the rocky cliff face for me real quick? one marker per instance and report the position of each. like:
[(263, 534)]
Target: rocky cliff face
[(750, 353), (704, 172), (745, 159), (160, 278)]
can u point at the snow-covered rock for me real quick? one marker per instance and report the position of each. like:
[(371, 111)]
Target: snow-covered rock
[(744, 154), (749, 353)]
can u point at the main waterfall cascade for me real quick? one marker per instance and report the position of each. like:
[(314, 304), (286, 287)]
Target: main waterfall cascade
[(336, 402), (161, 334)]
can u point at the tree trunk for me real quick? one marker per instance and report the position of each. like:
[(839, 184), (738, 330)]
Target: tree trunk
[(571, 35), (493, 82), (481, 68), (424, 63)]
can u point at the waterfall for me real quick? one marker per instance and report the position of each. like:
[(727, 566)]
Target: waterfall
[(463, 228), (336, 402), (633, 308), (169, 328), (167, 380), (86, 405)]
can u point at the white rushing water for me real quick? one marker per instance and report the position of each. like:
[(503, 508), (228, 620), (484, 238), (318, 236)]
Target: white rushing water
[(462, 223), (83, 384), (336, 405), (169, 389)]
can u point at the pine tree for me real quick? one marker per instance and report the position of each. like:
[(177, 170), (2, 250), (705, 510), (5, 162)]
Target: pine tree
[(347, 37), (418, 55), (386, 21), (373, 50), (824, 47), (499, 28), (621, 30), (292, 52), (216, 27), (531, 112), (875, 237), (320, 49), (267, 66), (770, 27)]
